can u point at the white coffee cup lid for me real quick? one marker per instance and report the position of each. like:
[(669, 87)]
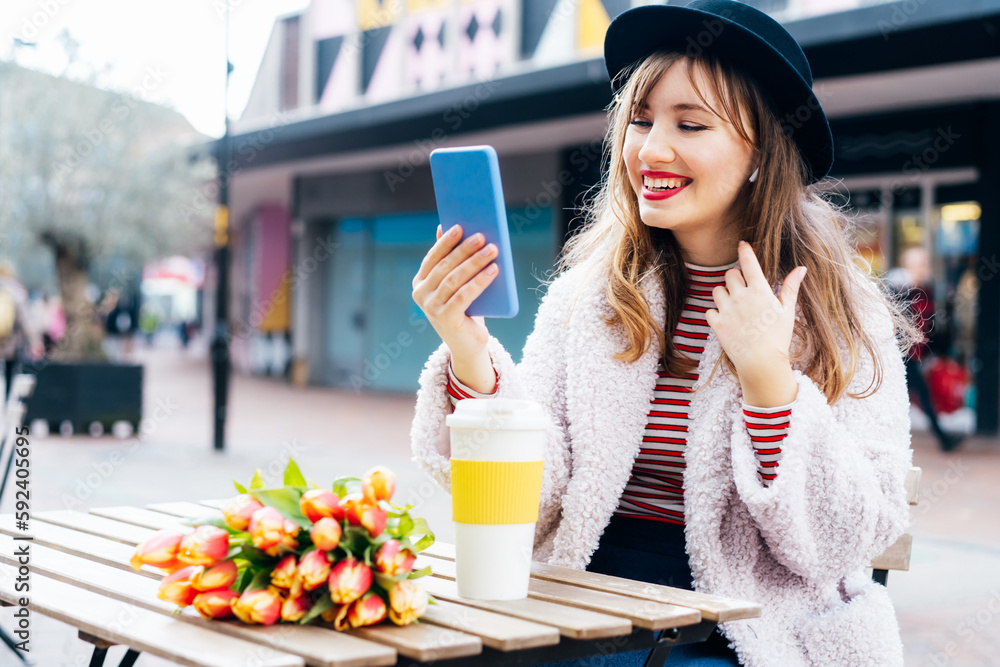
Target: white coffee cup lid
[(499, 414)]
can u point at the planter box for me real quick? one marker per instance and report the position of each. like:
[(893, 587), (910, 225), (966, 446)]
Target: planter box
[(85, 393)]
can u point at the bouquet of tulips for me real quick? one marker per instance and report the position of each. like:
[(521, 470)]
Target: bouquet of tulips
[(299, 553)]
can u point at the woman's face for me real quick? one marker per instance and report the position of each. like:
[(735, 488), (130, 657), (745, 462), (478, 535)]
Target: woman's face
[(673, 142)]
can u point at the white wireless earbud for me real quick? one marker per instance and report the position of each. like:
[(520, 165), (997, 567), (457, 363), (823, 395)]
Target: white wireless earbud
[(753, 176)]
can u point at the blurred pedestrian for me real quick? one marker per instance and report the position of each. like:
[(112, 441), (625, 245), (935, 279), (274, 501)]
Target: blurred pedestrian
[(912, 279), (18, 338)]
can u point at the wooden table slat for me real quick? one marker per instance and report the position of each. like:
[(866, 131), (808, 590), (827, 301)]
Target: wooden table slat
[(184, 509), (96, 525), (423, 641), (75, 543), (571, 621), (319, 646), (500, 632), (118, 622), (645, 614), (143, 518), (712, 607)]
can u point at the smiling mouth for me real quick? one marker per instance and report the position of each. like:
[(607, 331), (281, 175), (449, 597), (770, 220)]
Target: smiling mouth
[(664, 184)]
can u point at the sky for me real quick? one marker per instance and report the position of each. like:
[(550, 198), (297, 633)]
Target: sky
[(171, 52)]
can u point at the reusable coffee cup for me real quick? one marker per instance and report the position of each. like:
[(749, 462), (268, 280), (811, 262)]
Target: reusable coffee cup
[(497, 451)]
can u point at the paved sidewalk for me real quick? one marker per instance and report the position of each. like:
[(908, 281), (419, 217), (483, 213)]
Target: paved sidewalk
[(948, 604)]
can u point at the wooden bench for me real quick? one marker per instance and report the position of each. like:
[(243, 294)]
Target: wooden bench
[(897, 556)]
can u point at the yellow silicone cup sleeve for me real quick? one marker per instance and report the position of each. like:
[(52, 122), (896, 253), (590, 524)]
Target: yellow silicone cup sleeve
[(495, 492)]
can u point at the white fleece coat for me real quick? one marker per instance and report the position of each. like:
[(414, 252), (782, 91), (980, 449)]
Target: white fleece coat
[(798, 548)]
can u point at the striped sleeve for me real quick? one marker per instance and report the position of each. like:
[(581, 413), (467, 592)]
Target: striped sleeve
[(767, 428), (458, 390)]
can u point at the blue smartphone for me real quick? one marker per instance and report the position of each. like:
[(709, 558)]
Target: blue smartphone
[(468, 192)]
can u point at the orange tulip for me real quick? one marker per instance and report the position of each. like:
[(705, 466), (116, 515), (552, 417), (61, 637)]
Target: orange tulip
[(239, 510), (360, 512), (349, 580), (207, 545), (326, 534), (353, 504), (369, 610), (407, 602), (285, 574), (295, 607), (337, 615), (177, 587), (392, 559), (260, 606), (379, 483), (220, 575), (314, 569), (215, 604), (317, 504), (271, 532), (159, 551)]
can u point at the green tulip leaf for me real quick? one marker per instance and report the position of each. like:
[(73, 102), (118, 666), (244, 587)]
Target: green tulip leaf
[(344, 485), (258, 481), (260, 580), (324, 603), (286, 501), (239, 487), (293, 476), (422, 572)]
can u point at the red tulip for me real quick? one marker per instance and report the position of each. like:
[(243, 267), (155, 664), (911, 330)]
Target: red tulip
[(392, 559), (317, 503), (349, 580), (159, 551), (379, 483), (314, 569), (326, 534), (271, 532), (215, 604), (239, 510), (407, 602), (220, 575), (207, 545), (369, 610), (177, 587), (295, 607), (259, 606)]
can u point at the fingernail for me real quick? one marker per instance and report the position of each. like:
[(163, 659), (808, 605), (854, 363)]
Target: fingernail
[(803, 273), (742, 243), (453, 230)]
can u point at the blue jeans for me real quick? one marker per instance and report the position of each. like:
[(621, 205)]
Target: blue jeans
[(651, 551)]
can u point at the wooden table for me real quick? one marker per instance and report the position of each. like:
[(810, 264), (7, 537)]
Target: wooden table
[(80, 575)]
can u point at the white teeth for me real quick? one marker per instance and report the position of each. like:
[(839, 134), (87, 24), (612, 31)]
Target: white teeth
[(663, 183)]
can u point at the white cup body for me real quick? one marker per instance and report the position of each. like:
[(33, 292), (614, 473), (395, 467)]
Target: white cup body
[(493, 562)]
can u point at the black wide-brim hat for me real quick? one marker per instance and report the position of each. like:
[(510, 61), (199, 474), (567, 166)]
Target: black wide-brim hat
[(741, 34)]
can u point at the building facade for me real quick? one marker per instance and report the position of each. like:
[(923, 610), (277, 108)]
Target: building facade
[(333, 206)]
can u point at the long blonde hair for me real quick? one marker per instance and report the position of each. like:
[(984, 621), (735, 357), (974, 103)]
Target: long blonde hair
[(787, 221)]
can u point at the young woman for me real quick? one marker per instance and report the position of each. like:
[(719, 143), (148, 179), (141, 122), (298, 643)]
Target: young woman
[(759, 451)]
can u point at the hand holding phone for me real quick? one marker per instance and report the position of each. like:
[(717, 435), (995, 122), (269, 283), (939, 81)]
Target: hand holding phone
[(469, 193)]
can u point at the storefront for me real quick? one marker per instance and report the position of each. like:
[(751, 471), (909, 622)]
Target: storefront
[(917, 158)]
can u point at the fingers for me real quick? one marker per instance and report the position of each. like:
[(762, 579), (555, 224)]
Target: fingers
[(749, 266), (439, 250), (471, 268), (790, 287), (465, 295)]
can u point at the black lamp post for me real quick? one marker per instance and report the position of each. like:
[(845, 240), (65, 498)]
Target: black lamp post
[(220, 339)]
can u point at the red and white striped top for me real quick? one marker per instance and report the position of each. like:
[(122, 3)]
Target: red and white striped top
[(655, 489)]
